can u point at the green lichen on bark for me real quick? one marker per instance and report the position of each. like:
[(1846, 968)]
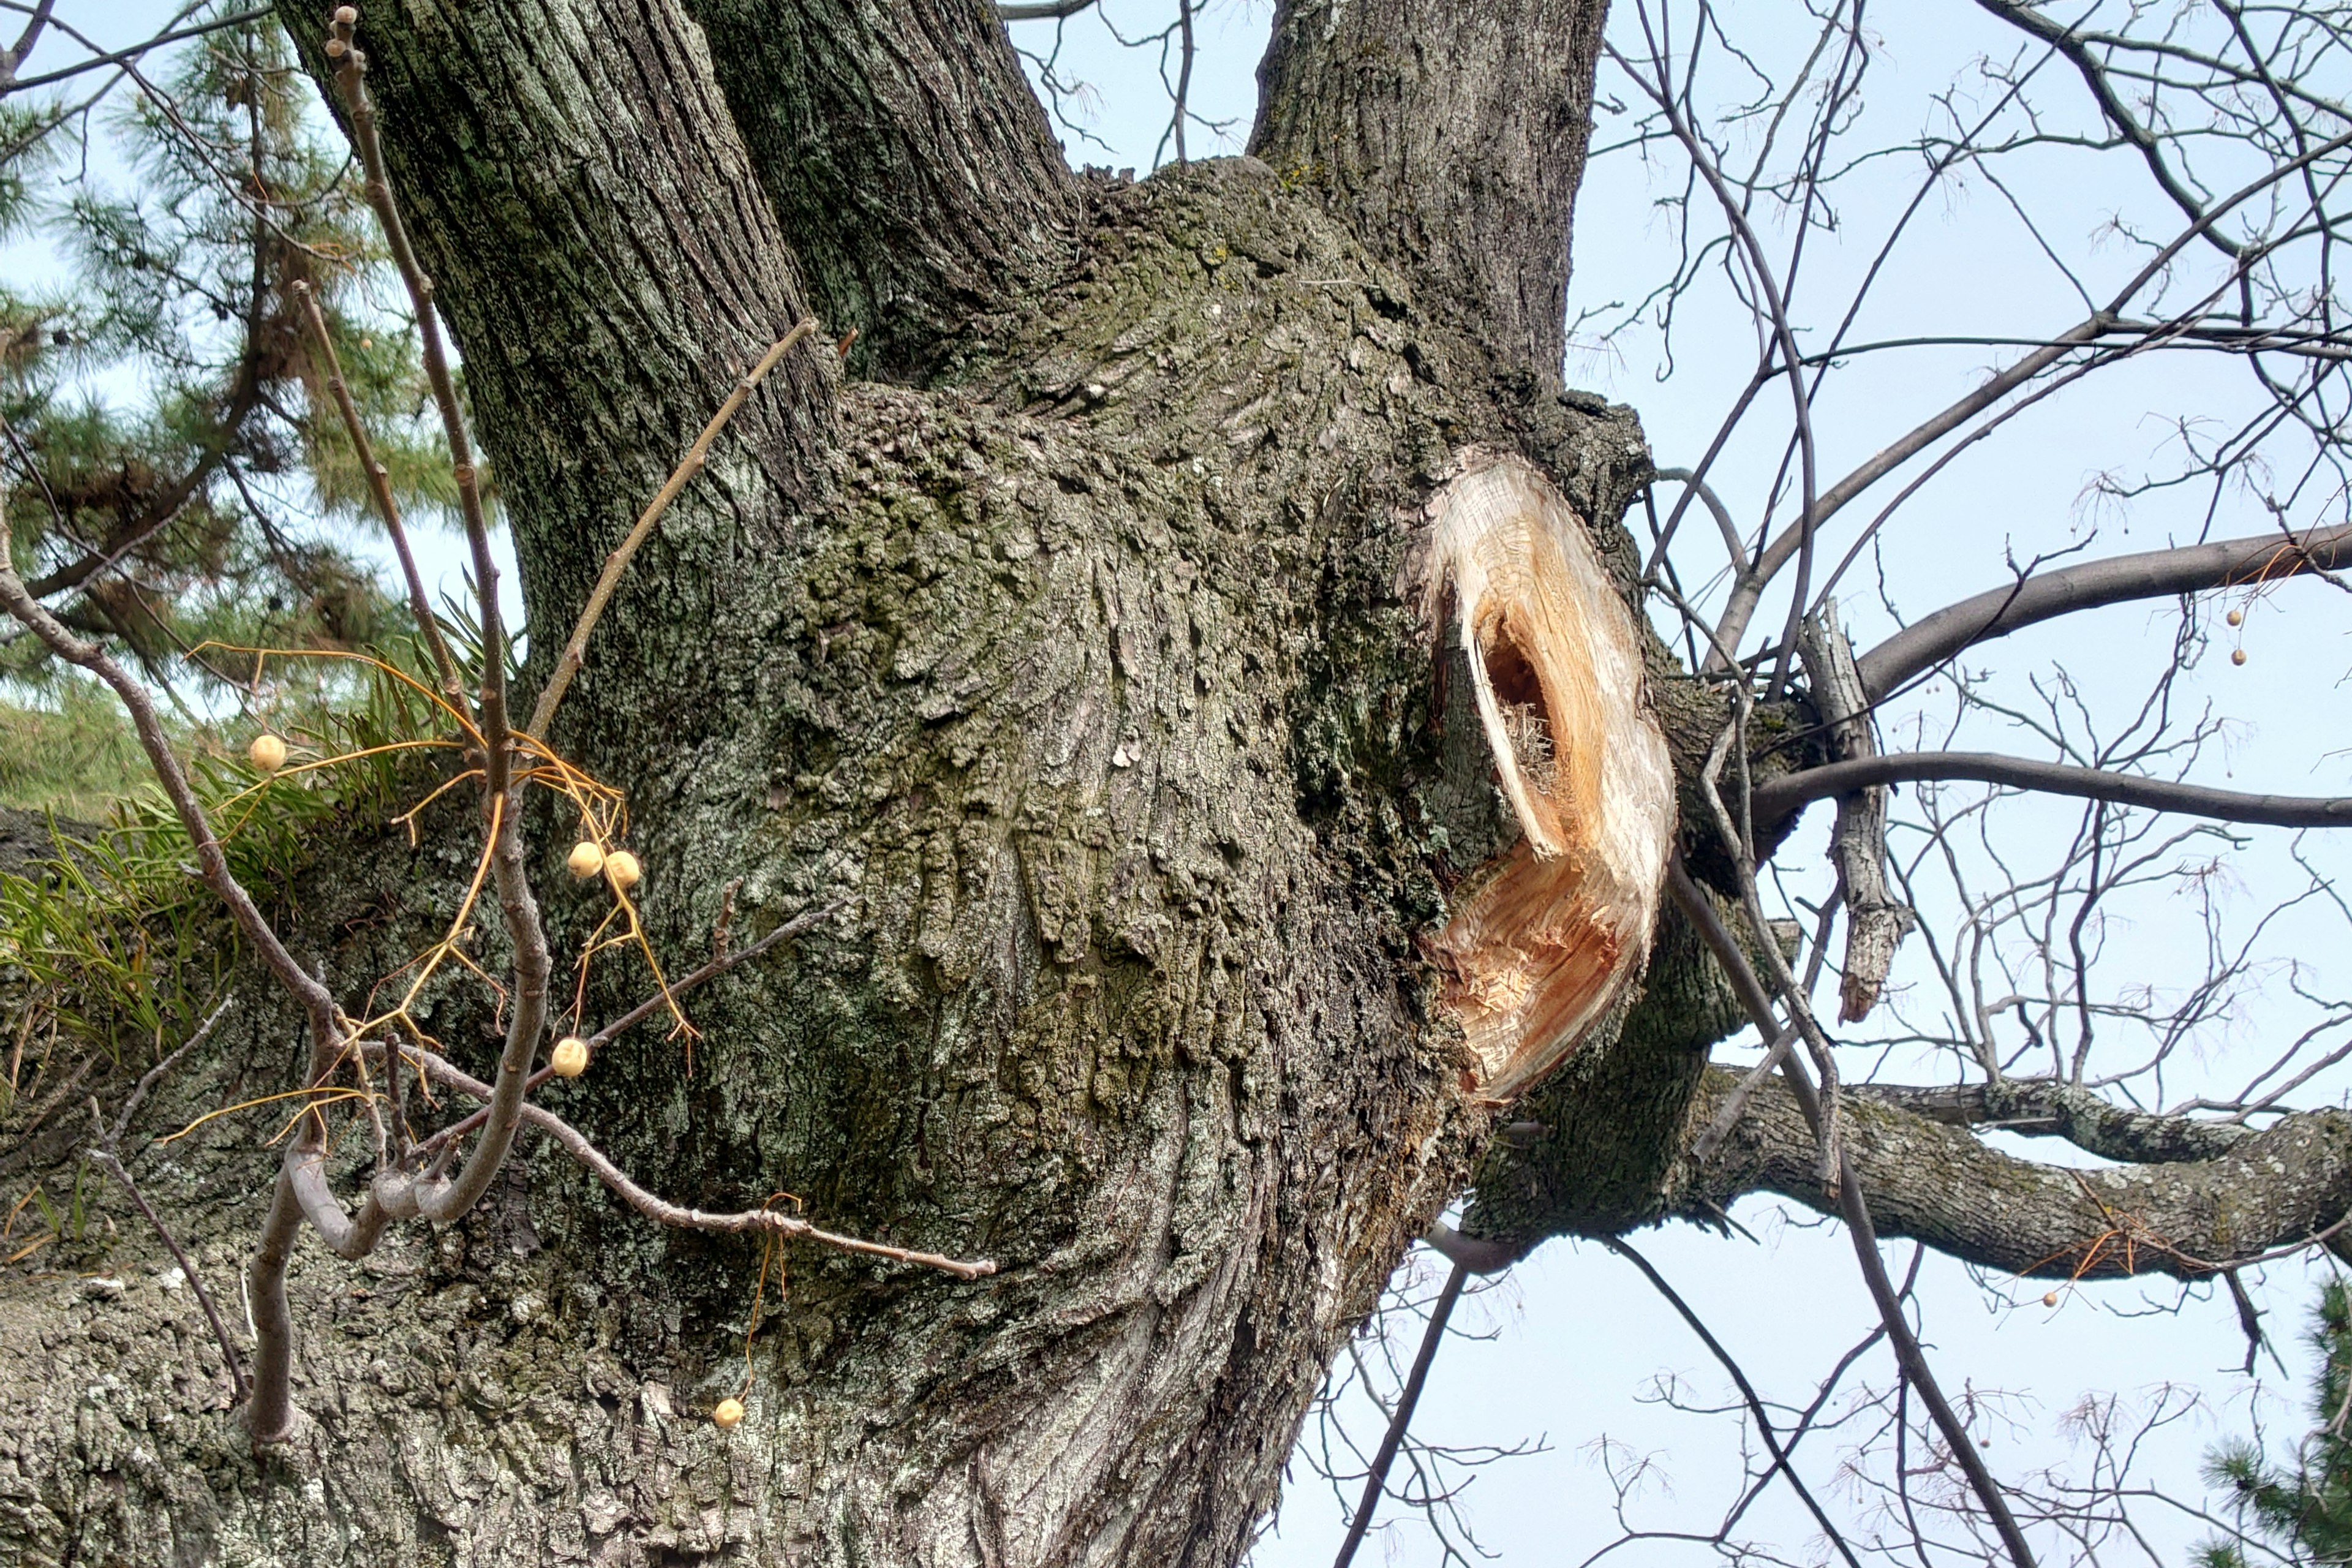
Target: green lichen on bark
[(1090, 682)]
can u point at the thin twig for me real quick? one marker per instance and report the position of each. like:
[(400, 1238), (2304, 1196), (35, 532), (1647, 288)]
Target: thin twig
[(646, 1009), (663, 1212), (1916, 1371), (108, 1160), (106, 1156), (155, 1075), (1852, 1204), (1377, 1482), (575, 649), (420, 603), (350, 76), (1780, 1461)]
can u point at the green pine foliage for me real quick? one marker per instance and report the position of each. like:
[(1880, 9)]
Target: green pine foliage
[(176, 472), (176, 482), (74, 756), (2301, 1514)]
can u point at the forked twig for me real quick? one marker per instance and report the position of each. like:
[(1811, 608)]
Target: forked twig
[(646, 1009), (1755, 1402), (104, 1153)]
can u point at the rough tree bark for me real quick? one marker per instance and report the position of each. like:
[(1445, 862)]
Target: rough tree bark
[(1192, 643), (1102, 678)]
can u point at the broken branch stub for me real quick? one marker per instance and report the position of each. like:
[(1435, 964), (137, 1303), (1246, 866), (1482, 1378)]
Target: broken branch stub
[(1545, 938)]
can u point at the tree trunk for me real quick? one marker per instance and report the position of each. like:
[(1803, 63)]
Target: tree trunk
[(1112, 683)]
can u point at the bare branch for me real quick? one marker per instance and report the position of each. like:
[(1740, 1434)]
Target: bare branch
[(1847, 1196), (575, 649), (2286, 1186), (420, 604), (350, 76), (2047, 1108), (105, 1154), (576, 1145), (1402, 1417), (2149, 574), (1756, 1411), (11, 83), (1777, 799)]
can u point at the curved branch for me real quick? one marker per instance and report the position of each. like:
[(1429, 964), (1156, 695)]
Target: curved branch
[(2285, 1186), (2149, 575), (662, 1212), (2075, 48), (2045, 1108), (1777, 799)]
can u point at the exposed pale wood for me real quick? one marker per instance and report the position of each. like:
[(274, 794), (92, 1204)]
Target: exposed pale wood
[(1544, 942)]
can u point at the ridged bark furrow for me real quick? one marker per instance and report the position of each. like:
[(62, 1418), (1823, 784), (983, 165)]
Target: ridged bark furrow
[(1097, 685)]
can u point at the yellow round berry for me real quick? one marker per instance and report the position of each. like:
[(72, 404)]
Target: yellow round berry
[(587, 859), (2237, 617), (2237, 656), (2051, 1299), (622, 867), (267, 752), (570, 1057), (346, 14), (728, 1413)]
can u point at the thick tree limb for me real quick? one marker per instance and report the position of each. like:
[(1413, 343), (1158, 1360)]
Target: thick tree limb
[(1457, 134), (2149, 575), (1777, 799), (575, 185), (1930, 1182), (2043, 1108), (912, 170)]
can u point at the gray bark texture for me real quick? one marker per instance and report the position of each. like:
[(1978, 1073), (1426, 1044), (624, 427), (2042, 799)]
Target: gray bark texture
[(1090, 676), (1072, 642)]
